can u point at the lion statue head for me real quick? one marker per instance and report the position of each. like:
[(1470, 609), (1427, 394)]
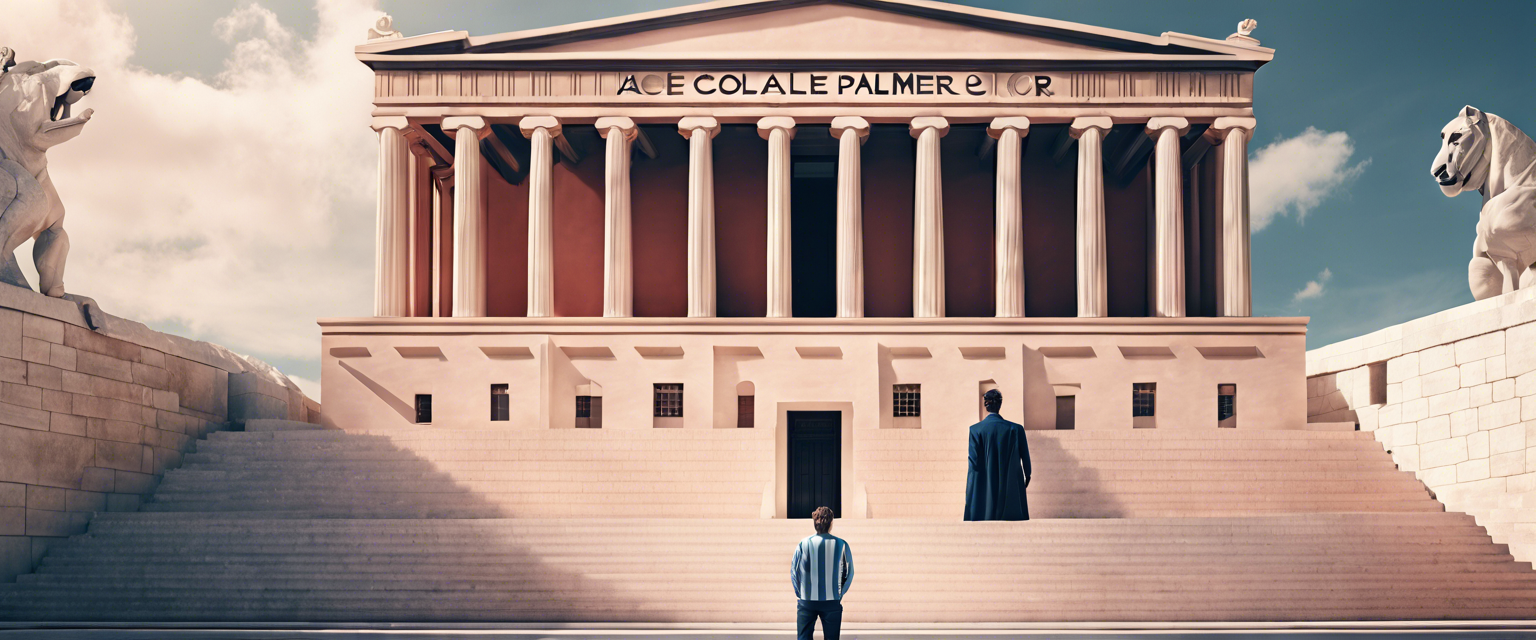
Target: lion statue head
[(1462, 164), (36, 106)]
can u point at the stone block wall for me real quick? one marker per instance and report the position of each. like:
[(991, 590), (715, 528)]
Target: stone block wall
[(1452, 396), (90, 420)]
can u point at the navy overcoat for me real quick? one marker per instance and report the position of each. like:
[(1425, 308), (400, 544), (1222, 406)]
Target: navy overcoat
[(994, 488)]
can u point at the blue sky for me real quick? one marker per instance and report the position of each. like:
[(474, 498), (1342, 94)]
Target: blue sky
[(1386, 74)]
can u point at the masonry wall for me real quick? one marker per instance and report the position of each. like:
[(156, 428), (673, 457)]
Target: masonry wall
[(90, 420), (1452, 396)]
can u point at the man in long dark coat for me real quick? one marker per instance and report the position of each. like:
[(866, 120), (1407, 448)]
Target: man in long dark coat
[(1000, 470)]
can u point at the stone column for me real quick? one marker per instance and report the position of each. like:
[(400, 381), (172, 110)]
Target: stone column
[(778, 131), (1010, 134), (391, 274), (850, 133), (468, 216), (541, 132), (1236, 298), (1168, 274), (701, 214), (928, 226), (618, 257), (1092, 272)]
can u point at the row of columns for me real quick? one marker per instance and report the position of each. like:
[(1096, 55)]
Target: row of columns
[(1232, 133)]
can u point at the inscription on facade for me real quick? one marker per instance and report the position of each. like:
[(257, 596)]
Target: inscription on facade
[(789, 84)]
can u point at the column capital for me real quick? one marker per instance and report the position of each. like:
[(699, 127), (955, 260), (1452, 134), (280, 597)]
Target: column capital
[(929, 122), (850, 123), (1082, 125), (381, 123), (529, 124), (766, 126), (625, 125), (1017, 123), (688, 125), (1156, 125), (452, 124), (1225, 125)]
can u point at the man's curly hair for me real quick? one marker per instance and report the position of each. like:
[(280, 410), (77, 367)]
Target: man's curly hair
[(821, 518)]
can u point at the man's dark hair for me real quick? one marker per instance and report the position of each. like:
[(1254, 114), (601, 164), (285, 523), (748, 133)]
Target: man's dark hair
[(992, 400), (821, 518)]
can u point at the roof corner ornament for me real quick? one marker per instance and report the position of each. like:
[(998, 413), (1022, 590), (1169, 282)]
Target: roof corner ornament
[(384, 29), (1244, 32)]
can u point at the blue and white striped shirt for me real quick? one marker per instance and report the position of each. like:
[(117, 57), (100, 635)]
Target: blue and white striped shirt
[(822, 568)]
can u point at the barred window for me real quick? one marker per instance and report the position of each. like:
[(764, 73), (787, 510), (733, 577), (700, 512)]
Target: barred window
[(907, 400), (583, 406), (423, 408), (501, 403), (1226, 402), (1144, 399), (669, 400)]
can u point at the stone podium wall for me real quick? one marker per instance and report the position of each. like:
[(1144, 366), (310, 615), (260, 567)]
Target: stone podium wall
[(1452, 396), (89, 420)]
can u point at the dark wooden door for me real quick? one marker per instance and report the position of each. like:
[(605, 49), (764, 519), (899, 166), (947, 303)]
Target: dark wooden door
[(815, 462)]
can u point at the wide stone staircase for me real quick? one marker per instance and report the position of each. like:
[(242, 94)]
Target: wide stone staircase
[(308, 525)]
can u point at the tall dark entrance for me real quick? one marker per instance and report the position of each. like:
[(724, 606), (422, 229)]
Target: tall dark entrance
[(813, 235), (815, 462)]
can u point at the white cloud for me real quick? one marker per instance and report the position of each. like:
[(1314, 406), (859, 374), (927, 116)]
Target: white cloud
[(1315, 288), (240, 209), (1293, 175)]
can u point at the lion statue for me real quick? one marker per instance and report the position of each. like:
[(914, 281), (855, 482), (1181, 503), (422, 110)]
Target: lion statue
[(36, 101), (1482, 152)]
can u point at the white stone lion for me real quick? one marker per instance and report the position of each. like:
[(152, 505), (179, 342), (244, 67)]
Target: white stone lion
[(1485, 153), (36, 99)]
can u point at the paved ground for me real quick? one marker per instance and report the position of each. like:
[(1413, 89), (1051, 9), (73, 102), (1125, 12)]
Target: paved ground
[(1332, 631)]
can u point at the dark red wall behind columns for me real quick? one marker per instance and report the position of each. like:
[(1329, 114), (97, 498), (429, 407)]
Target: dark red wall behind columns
[(970, 194), (506, 245), (659, 214), (741, 222), (888, 163), (1050, 226), (1126, 224), (578, 227)]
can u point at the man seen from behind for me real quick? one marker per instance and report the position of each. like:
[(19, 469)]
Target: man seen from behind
[(821, 571)]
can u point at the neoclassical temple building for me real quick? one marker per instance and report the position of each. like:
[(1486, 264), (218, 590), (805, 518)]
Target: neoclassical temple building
[(831, 222)]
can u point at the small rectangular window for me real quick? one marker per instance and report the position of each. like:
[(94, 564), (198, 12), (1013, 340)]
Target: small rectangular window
[(1144, 399), (1066, 412), (501, 403), (1376, 376), (589, 412), (745, 406), (1226, 405), (583, 406), (423, 408), (668, 400), (907, 400)]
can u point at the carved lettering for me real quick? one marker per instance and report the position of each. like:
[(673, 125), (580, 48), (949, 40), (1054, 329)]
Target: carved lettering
[(903, 85), (844, 82), (816, 82), (629, 84), (971, 83), (699, 89), (773, 85)]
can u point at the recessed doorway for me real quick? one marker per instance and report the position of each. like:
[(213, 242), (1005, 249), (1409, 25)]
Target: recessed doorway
[(815, 462)]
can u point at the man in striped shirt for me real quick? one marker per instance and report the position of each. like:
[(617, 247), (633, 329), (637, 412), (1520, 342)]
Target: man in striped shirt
[(821, 572)]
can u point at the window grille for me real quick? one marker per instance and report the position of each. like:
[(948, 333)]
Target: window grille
[(1226, 401), (501, 403), (907, 400), (583, 406), (744, 412), (1144, 399), (423, 408), (669, 400)]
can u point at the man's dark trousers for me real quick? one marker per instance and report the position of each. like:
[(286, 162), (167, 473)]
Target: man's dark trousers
[(830, 612)]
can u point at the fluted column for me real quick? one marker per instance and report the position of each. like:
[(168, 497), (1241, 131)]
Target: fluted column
[(701, 214), (1092, 272), (468, 216), (541, 132), (391, 267), (850, 133), (928, 223), (1236, 299), (1010, 134), (778, 131), (618, 256), (1168, 270)]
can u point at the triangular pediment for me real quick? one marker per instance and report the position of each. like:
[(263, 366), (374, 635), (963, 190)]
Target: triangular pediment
[(827, 29)]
